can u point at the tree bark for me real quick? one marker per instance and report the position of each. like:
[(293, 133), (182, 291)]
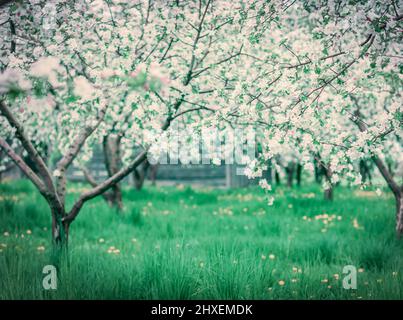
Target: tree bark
[(299, 173), (397, 192), (60, 238), (327, 172), (153, 174), (60, 231), (289, 169), (277, 177), (365, 172), (328, 193), (113, 163), (319, 171)]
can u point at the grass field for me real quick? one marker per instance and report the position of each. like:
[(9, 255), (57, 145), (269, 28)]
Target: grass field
[(183, 243)]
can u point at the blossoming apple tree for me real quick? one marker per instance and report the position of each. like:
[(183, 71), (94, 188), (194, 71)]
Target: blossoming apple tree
[(327, 81), (75, 74)]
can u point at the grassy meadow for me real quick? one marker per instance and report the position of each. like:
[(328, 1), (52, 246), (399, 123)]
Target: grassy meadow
[(184, 243)]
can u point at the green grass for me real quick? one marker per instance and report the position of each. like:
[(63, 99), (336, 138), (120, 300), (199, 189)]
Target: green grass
[(183, 243)]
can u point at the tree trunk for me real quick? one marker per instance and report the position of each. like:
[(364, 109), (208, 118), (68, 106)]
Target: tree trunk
[(269, 172), (277, 178), (397, 192), (60, 239), (299, 172), (290, 174), (60, 232), (117, 200), (140, 175), (319, 172), (365, 172), (153, 174), (328, 194), (111, 147), (327, 172)]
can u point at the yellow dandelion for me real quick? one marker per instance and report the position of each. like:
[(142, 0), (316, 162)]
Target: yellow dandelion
[(329, 287), (324, 280), (336, 276), (272, 256), (356, 224), (281, 282), (361, 270), (294, 269), (29, 232)]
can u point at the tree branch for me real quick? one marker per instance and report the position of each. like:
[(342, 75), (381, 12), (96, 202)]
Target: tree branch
[(102, 187), (33, 154), (72, 152), (23, 166)]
